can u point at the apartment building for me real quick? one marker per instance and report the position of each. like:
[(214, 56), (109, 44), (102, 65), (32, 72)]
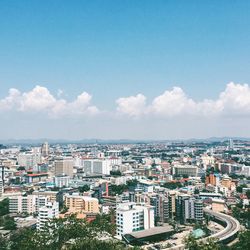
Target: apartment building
[(46, 213), (81, 204), (131, 217), (64, 166), (26, 204)]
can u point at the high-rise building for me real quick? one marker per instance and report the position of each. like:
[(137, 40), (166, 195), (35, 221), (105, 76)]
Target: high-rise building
[(161, 207), (45, 149), (172, 205), (100, 166), (64, 166), (29, 160), (26, 204), (131, 217), (198, 210), (188, 208), (231, 144), (47, 213)]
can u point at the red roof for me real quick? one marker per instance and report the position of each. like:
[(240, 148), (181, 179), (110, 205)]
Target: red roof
[(33, 175)]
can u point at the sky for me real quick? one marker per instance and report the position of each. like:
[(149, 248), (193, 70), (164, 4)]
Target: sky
[(124, 69)]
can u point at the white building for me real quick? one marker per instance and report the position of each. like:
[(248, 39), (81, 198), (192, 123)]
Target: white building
[(46, 213), (207, 161), (26, 204), (28, 160), (131, 217), (61, 181), (100, 166)]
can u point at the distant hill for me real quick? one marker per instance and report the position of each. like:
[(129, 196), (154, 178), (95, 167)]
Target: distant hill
[(112, 141)]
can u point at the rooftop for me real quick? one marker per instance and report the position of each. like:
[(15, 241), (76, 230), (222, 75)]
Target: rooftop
[(152, 231)]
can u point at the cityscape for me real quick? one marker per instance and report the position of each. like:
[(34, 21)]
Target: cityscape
[(150, 195), (124, 125)]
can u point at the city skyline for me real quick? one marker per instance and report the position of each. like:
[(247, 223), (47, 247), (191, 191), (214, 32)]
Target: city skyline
[(114, 70)]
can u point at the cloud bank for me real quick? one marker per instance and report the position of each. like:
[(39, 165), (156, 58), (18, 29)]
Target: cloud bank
[(39, 99), (234, 100)]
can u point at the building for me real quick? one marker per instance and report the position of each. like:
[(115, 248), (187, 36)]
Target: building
[(3, 174), (161, 207), (198, 210), (34, 178), (207, 161), (51, 195), (213, 179), (61, 180), (210, 179), (26, 204), (40, 168), (45, 149), (64, 166), (231, 144), (226, 181), (29, 160), (218, 205), (172, 203), (189, 170), (145, 186), (189, 209), (81, 204), (99, 166), (1, 188), (46, 213), (131, 217)]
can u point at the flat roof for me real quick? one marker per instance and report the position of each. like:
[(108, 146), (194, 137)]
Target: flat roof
[(151, 232)]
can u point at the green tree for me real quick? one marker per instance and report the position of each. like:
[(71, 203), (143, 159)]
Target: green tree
[(3, 243), (117, 189), (4, 207), (192, 244), (248, 194), (244, 241), (9, 223), (239, 188), (84, 188)]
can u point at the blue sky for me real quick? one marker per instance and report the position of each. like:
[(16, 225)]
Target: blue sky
[(118, 49)]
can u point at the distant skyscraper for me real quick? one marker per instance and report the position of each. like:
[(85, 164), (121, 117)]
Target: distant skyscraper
[(45, 149), (231, 144), (64, 166)]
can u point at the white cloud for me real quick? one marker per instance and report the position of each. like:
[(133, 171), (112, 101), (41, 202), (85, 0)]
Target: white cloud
[(39, 99), (11, 100), (234, 100), (172, 103), (132, 105)]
